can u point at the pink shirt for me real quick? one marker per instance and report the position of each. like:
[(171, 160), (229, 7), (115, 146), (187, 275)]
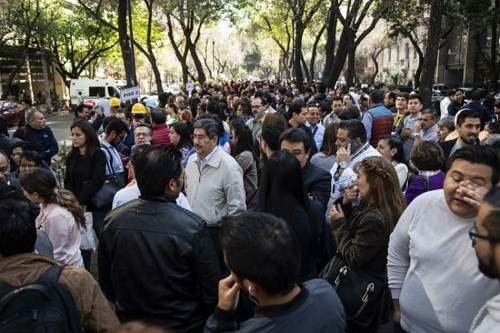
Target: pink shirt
[(62, 230)]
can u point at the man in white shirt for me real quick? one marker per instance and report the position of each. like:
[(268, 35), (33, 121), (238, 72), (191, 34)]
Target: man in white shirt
[(433, 275), (485, 236), (427, 129), (352, 147), (104, 103), (443, 105), (313, 122), (131, 191)]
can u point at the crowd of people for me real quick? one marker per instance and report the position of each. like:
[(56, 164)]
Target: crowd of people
[(261, 208)]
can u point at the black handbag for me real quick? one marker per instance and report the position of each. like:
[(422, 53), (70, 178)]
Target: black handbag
[(358, 289), (112, 184)]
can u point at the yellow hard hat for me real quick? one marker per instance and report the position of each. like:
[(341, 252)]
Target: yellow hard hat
[(138, 108), (114, 102)]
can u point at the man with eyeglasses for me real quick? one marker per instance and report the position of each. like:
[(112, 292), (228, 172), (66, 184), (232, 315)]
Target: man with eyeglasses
[(258, 111), (485, 236), (433, 275), (39, 135)]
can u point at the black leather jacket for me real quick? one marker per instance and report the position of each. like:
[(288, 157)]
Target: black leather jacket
[(157, 263)]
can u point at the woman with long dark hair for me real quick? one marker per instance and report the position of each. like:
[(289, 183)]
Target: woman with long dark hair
[(180, 138), (61, 215), (85, 169), (282, 193), (362, 232), (391, 147), (245, 156)]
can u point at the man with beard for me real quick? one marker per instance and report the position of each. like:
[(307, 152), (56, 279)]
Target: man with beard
[(468, 126), (485, 236), (433, 276)]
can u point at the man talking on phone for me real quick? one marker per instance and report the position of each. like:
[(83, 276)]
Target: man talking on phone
[(264, 262), (352, 147)]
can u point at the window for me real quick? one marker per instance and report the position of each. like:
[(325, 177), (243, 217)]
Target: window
[(407, 51), (94, 90)]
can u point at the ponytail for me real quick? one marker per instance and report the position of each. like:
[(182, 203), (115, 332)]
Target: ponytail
[(67, 199)]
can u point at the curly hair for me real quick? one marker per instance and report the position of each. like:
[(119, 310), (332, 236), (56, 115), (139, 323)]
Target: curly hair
[(428, 156)]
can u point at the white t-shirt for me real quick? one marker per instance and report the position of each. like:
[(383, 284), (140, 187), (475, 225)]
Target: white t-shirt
[(433, 269), (132, 192)]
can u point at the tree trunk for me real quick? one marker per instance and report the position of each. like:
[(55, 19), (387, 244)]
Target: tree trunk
[(125, 43), (331, 39), (430, 59), (351, 65), (375, 72), (304, 68), (340, 57), (314, 52), (297, 68), (185, 72), (197, 62), (494, 69)]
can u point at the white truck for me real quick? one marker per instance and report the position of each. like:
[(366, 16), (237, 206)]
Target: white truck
[(90, 87)]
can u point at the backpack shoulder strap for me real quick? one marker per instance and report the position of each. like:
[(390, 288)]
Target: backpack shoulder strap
[(51, 275), (426, 183)]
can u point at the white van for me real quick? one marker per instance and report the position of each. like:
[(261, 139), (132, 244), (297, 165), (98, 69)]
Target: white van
[(90, 87)]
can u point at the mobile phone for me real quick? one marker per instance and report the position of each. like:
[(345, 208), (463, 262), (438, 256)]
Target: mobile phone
[(355, 145)]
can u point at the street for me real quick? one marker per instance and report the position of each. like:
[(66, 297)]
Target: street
[(60, 125)]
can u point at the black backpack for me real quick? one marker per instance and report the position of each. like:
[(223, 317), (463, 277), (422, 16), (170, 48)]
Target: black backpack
[(42, 306)]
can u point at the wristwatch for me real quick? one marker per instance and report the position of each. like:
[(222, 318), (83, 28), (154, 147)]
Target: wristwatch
[(343, 165)]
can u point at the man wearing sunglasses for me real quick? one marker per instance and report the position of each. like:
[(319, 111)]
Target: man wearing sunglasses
[(485, 236)]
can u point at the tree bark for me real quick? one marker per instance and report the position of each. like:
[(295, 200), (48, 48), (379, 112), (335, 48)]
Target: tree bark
[(125, 43), (331, 40), (351, 65), (339, 60), (314, 52), (494, 68), (430, 59), (297, 68)]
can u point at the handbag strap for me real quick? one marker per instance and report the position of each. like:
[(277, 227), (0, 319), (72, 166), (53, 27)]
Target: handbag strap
[(108, 163)]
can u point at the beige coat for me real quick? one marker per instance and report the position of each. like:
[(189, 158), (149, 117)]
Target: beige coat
[(94, 310)]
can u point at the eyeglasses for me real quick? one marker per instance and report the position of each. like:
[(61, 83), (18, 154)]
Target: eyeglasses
[(15, 154), (474, 235), (199, 137)]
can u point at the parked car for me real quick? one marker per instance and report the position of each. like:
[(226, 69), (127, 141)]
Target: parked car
[(11, 111), (440, 88)]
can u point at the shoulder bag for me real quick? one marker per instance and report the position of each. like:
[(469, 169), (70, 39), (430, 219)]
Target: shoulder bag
[(112, 184)]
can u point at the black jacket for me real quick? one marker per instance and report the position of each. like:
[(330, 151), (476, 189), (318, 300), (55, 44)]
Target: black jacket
[(41, 140), (85, 176), (318, 183), (157, 263)]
